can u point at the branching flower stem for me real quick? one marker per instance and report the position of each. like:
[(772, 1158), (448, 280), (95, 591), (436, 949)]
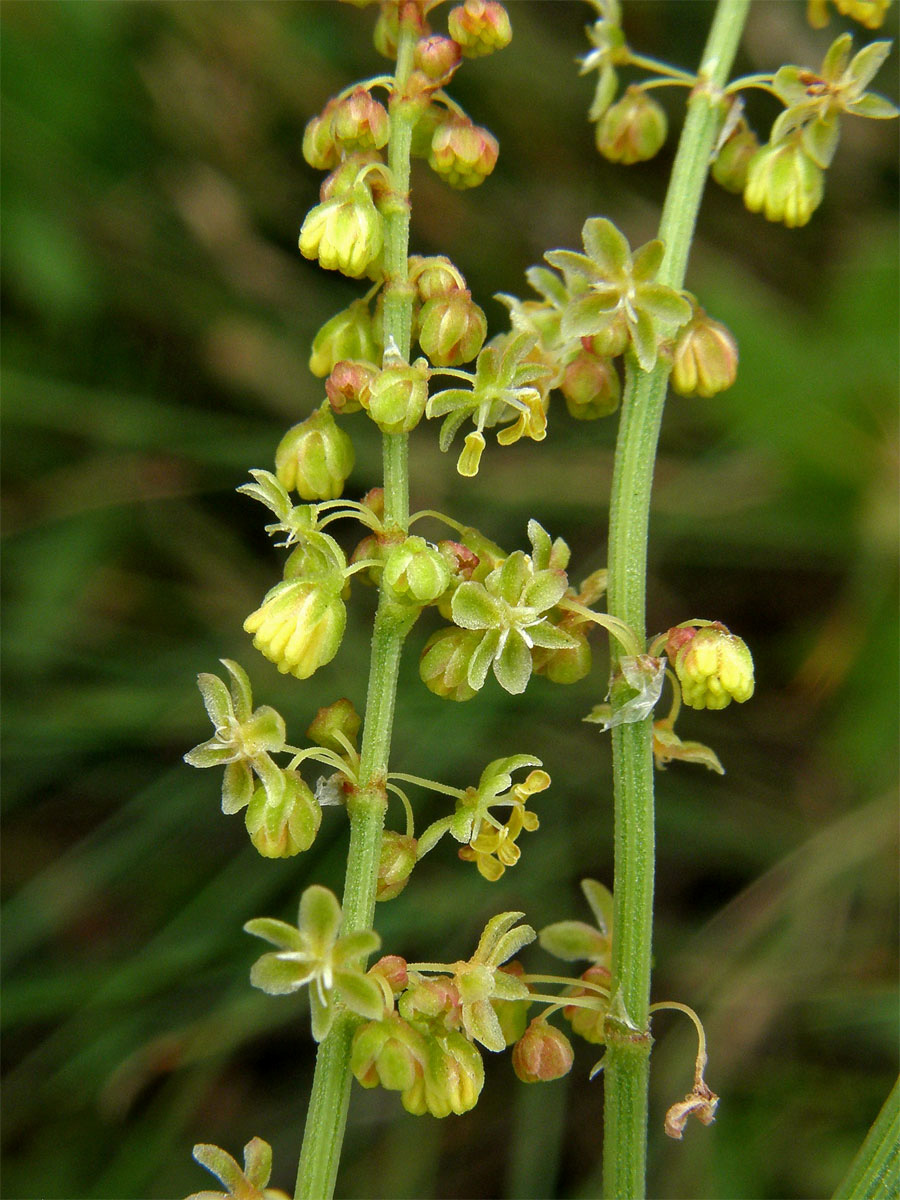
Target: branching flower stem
[(628, 1038), (327, 1113)]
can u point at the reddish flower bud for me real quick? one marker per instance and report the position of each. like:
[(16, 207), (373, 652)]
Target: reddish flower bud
[(589, 1023), (462, 154), (360, 122), (705, 358), (437, 57), (319, 147), (542, 1053), (435, 277), (348, 386), (480, 27), (392, 969)]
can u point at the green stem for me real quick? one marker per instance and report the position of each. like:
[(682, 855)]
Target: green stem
[(327, 1114), (628, 1041)]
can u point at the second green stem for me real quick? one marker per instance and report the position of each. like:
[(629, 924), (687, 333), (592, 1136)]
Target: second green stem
[(627, 1061)]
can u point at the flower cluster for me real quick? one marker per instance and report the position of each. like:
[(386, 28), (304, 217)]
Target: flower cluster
[(516, 614), (247, 1184), (487, 841), (785, 178)]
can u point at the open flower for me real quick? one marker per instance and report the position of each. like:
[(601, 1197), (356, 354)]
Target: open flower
[(487, 841), (243, 741), (510, 610), (247, 1184), (312, 953), (621, 290)]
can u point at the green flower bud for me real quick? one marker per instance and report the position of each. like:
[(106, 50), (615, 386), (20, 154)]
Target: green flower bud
[(360, 122), (591, 387), (332, 719), (705, 358), (452, 329), (479, 27), (633, 129), (415, 572), (345, 176), (444, 665), (390, 1053), (437, 57), (713, 665), (565, 665), (432, 1000), (349, 334), (435, 277), (299, 625), (453, 1077), (462, 154), (349, 385), (315, 457), (397, 397), (285, 827), (319, 147), (542, 1053), (784, 184), (512, 1014), (345, 233), (729, 168), (398, 857), (610, 341), (589, 1023)]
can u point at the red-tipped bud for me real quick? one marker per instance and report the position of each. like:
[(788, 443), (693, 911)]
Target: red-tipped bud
[(435, 277), (392, 969), (452, 329), (589, 1023), (319, 147), (480, 27), (360, 122), (713, 665), (542, 1053), (348, 386), (437, 57), (705, 358), (462, 154)]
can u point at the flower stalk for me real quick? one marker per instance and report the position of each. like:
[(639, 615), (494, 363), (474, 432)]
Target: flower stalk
[(327, 1113), (626, 1066)]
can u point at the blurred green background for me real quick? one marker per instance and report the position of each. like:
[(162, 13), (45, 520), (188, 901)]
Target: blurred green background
[(157, 320)]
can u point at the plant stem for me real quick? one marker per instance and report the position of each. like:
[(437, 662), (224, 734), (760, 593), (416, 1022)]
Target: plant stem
[(327, 1114), (627, 1061)]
